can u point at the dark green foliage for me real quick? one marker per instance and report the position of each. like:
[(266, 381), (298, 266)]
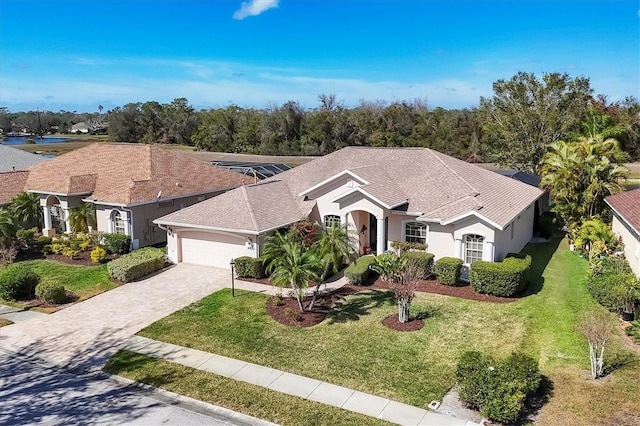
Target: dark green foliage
[(51, 291), (389, 266), (499, 388), (18, 282), (504, 279), (422, 260), (116, 243), (545, 225), (137, 264), (448, 270), (42, 243), (604, 279), (633, 331), (359, 270), (249, 267)]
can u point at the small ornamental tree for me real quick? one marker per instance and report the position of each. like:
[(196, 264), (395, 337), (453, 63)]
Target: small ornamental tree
[(597, 328), (405, 290)]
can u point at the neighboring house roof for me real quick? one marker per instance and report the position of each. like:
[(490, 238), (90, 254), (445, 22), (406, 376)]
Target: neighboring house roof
[(11, 184), (527, 178), (416, 180), (627, 206), (127, 174), (16, 159)]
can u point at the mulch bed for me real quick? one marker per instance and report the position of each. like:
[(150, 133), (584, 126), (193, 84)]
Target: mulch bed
[(288, 312), (83, 259)]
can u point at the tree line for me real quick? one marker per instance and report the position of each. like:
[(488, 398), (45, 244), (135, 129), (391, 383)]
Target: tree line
[(512, 128)]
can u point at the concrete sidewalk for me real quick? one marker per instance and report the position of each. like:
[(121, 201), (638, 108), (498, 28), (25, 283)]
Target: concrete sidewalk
[(19, 314), (293, 384)]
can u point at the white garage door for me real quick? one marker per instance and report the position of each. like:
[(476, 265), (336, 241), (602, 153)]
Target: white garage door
[(212, 249)]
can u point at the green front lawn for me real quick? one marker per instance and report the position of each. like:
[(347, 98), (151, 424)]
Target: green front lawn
[(352, 348), (84, 281)]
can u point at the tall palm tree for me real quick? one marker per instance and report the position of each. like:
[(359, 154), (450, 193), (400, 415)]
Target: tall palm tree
[(82, 217), (26, 209), (581, 174), (334, 244), (296, 267)]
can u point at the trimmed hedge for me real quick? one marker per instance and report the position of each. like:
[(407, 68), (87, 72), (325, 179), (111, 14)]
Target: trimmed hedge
[(448, 270), (137, 264), (249, 267), (423, 260), (499, 388), (18, 282), (504, 279), (358, 272), (51, 291), (116, 243)]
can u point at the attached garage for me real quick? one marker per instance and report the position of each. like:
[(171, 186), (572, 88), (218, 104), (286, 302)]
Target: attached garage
[(209, 248)]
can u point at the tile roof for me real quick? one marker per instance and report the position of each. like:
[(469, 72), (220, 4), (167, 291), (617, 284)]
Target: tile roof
[(251, 208), (627, 205), (11, 184), (17, 159), (122, 173), (439, 186)]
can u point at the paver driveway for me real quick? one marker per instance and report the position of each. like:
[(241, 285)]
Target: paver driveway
[(85, 335)]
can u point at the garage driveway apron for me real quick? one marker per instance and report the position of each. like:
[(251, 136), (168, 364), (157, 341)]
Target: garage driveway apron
[(87, 334)]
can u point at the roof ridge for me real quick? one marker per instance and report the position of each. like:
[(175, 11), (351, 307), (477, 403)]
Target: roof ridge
[(432, 152), (250, 207)]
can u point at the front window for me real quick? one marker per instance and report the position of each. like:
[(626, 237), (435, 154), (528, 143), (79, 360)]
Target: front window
[(331, 220), (473, 248), (119, 225), (415, 232)]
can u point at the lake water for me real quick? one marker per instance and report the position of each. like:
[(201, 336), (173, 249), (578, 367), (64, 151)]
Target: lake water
[(21, 140)]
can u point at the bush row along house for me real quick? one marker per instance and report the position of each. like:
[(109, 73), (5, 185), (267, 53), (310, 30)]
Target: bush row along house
[(626, 224)]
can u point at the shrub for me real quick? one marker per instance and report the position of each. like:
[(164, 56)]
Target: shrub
[(18, 282), (633, 331), (57, 248), (603, 284), (42, 244), (70, 252), (51, 291), (422, 260), (545, 225), (403, 246), (294, 315), (389, 266), (137, 264), (504, 279), (26, 238), (116, 243), (98, 255), (358, 272), (249, 267), (499, 388), (448, 270)]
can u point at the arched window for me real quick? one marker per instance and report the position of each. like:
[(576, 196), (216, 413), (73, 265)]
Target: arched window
[(331, 220), (473, 248), (119, 226), (415, 232)]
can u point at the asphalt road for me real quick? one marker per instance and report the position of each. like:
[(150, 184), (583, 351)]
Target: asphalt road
[(32, 393)]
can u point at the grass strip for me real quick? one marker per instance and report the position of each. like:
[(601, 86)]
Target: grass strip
[(232, 394)]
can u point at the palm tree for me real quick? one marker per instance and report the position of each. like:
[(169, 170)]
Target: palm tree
[(82, 217), (581, 174), (294, 265), (26, 209), (334, 244), (7, 226)]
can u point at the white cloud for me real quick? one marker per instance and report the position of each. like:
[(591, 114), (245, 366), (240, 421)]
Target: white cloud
[(254, 8)]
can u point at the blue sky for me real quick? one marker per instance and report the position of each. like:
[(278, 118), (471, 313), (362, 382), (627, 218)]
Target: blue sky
[(76, 55)]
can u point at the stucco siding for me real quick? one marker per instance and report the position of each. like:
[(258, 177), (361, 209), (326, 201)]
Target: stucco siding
[(440, 240), (516, 235), (631, 242)]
